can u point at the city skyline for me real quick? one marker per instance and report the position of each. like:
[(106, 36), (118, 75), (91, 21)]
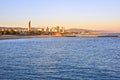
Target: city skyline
[(84, 14)]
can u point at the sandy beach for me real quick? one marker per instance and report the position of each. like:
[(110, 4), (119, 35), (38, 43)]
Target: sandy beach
[(3, 37)]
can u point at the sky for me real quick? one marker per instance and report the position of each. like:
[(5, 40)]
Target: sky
[(83, 14)]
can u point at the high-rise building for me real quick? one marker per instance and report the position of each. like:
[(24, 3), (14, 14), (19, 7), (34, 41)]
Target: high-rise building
[(29, 27), (62, 29), (58, 29)]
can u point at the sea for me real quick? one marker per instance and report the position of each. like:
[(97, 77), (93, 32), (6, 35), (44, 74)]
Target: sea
[(60, 58)]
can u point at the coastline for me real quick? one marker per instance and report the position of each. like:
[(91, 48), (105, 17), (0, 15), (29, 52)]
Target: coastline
[(5, 37)]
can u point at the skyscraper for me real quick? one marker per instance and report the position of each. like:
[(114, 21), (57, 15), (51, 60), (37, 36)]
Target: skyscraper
[(29, 27)]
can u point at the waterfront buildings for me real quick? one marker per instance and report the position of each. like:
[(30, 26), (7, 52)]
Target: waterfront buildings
[(58, 31), (32, 30)]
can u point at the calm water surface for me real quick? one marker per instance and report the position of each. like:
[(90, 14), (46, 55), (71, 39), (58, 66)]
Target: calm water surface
[(60, 59)]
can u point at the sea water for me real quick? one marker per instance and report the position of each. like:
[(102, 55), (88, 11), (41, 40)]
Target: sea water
[(60, 58)]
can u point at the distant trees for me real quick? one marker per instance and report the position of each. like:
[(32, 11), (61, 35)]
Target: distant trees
[(9, 32)]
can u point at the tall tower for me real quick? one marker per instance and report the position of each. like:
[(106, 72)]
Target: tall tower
[(29, 27)]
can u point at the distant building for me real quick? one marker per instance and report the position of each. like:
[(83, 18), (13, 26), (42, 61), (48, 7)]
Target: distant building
[(41, 29), (57, 29), (62, 29), (29, 27), (47, 29)]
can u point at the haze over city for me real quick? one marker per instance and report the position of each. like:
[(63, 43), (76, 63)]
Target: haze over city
[(83, 14)]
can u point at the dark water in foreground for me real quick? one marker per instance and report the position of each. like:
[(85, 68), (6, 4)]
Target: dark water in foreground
[(60, 59)]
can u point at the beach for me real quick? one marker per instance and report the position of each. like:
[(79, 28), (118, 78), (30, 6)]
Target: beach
[(3, 37)]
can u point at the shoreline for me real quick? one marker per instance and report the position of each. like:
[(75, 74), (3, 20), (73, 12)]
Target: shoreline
[(5, 37)]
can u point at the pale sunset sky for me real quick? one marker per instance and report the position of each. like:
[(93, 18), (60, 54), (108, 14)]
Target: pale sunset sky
[(83, 14)]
